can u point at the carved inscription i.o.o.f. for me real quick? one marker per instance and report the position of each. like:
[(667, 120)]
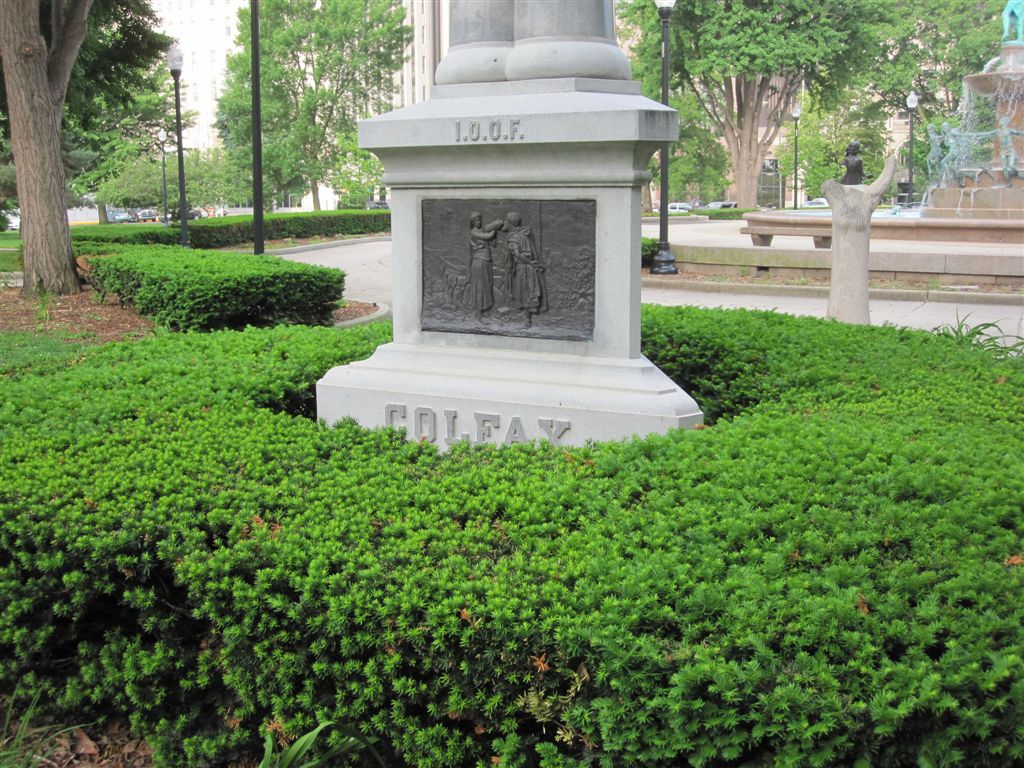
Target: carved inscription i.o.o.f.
[(496, 130), (510, 267), (487, 427)]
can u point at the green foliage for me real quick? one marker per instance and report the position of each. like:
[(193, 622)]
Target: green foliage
[(827, 575), (698, 164), (648, 250), (351, 741), (745, 61), (325, 65), (23, 744), (930, 46), (189, 289), (210, 180), (723, 214), (987, 336), (234, 230), (824, 136)]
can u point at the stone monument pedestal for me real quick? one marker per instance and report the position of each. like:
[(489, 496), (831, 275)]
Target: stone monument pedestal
[(516, 255)]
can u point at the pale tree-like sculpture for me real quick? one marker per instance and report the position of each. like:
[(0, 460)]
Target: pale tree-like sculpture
[(852, 206)]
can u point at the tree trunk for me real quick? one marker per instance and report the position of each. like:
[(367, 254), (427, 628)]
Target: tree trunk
[(35, 145), (645, 198), (316, 195), (37, 82), (748, 167), (101, 209)]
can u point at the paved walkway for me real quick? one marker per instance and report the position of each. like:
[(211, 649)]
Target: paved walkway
[(367, 265)]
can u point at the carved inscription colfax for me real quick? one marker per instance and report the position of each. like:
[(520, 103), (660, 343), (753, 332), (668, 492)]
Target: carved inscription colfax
[(510, 267), (427, 425)]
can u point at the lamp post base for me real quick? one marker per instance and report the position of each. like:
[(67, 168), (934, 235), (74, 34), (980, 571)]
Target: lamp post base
[(664, 262)]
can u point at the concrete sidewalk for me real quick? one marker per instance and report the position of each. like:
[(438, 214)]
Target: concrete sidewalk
[(367, 265)]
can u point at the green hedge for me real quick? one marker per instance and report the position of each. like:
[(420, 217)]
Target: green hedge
[(826, 576), (189, 289), (722, 214), (648, 250), (233, 230)]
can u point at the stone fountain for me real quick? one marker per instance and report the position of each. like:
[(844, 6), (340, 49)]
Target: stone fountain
[(977, 168)]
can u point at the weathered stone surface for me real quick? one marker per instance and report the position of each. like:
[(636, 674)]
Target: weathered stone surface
[(475, 284), (852, 207)]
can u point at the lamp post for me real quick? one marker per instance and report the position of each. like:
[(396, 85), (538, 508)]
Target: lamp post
[(664, 262), (796, 151), (162, 135), (912, 107), (174, 62), (257, 131)]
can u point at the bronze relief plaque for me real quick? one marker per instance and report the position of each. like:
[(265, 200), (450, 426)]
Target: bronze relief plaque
[(510, 267)]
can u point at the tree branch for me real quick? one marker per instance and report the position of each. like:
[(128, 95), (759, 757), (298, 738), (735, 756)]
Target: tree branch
[(64, 48), (56, 22)]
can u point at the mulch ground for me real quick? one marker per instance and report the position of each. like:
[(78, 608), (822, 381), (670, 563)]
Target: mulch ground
[(82, 317)]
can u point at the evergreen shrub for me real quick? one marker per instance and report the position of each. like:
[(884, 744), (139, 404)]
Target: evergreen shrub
[(829, 574), (188, 289), (722, 214), (233, 230)]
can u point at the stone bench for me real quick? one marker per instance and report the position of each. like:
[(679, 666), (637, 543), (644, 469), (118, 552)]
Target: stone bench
[(763, 234)]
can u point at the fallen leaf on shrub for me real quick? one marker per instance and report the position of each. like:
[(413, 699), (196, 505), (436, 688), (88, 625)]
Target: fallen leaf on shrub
[(479, 730), (495, 760), (862, 605), (1001, 380), (84, 745), (540, 663), (1014, 560), (794, 555)]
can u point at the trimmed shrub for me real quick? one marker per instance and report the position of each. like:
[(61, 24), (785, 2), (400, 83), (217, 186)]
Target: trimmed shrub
[(722, 214), (233, 230), (188, 289), (829, 575), (648, 250)]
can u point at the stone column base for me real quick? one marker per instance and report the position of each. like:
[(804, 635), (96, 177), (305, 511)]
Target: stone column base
[(444, 395)]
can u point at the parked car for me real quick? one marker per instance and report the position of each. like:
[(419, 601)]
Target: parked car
[(719, 204), (115, 216), (378, 205), (13, 220), (818, 202), (679, 207), (148, 214)]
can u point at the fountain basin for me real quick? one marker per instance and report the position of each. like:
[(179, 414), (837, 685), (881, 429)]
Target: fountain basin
[(999, 230)]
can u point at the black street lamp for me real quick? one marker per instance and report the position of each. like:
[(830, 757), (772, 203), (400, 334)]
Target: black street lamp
[(912, 107), (664, 262), (162, 135), (257, 131), (174, 62), (796, 151)]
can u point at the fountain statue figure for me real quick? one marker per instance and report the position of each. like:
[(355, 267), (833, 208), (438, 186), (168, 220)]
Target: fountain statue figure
[(1013, 21), (974, 165)]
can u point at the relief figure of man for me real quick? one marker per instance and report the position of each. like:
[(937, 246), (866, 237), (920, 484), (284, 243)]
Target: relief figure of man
[(526, 278)]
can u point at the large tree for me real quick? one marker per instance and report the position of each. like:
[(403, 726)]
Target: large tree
[(931, 46), (325, 65), (746, 60), (46, 46)]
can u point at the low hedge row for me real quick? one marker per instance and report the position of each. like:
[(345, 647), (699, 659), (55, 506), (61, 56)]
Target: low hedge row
[(829, 575), (722, 214), (189, 289), (233, 230)]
